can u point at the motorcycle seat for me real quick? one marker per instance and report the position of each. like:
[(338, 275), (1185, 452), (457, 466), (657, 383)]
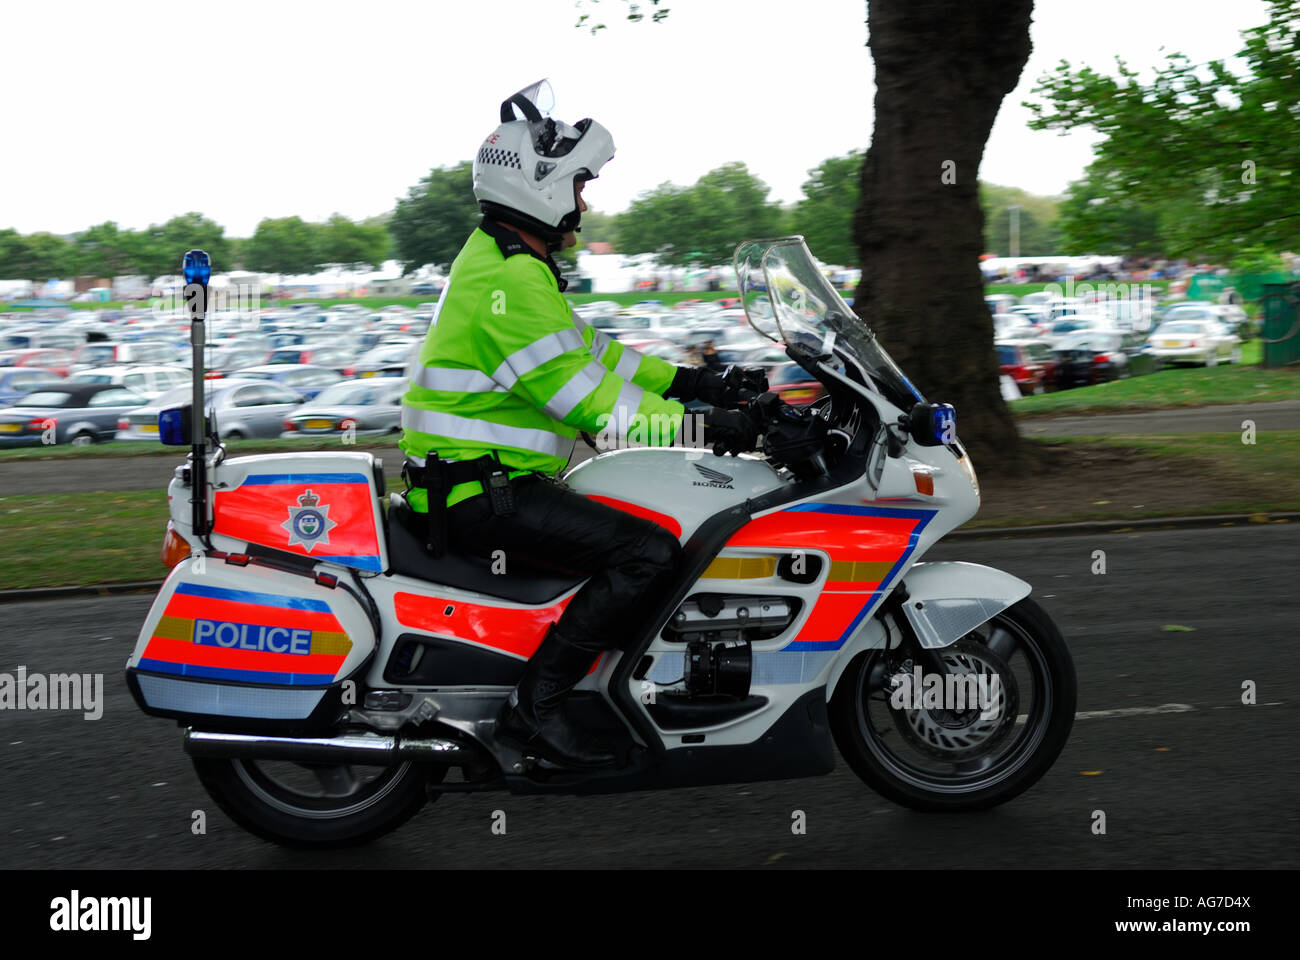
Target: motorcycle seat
[(408, 556)]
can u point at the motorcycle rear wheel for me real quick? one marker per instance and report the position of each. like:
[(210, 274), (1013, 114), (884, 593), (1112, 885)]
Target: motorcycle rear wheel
[(316, 805), (932, 760)]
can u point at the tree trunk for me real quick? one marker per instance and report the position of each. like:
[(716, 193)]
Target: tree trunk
[(942, 69)]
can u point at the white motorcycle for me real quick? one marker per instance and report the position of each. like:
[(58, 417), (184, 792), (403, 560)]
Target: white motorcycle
[(326, 696)]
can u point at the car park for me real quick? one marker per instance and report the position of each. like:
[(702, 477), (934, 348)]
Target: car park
[(302, 378), (60, 412), (147, 381), (244, 408)]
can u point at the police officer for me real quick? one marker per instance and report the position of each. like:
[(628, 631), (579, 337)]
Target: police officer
[(506, 379)]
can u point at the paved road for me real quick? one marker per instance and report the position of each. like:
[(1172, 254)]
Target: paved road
[(1276, 415), (153, 472), (1214, 785)]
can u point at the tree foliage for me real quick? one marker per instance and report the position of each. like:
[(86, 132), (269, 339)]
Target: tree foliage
[(1097, 218), (1214, 151), (431, 223), (285, 245), (825, 214), (701, 223), (353, 245), (1038, 216), (37, 257)]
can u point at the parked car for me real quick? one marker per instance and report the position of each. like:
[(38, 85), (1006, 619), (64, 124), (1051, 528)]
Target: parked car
[(49, 358), (361, 407), (387, 359), (1099, 356), (1230, 315), (1062, 330), (62, 412), (1013, 326), (1030, 363), (999, 302), (792, 384), (1194, 341), (113, 353), (244, 408), (227, 359), (17, 382), (663, 349), (334, 357), (148, 381), (303, 378)]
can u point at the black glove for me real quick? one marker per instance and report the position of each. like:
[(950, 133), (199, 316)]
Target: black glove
[(729, 431), (695, 383), (698, 383)]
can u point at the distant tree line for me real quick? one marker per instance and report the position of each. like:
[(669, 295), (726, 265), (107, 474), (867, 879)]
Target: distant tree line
[(285, 245)]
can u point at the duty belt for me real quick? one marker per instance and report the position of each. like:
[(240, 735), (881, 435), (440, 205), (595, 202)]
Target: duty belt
[(440, 476)]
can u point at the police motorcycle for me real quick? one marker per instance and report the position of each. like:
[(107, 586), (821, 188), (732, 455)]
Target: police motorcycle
[(331, 676)]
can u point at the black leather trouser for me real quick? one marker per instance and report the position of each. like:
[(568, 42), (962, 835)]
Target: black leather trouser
[(630, 561)]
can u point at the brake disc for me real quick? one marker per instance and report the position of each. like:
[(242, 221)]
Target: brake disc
[(951, 734)]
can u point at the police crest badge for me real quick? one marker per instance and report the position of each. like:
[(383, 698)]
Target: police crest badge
[(309, 523)]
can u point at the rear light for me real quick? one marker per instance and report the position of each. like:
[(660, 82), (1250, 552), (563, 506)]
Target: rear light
[(42, 423), (1194, 343), (348, 422), (1101, 358), (124, 424), (289, 425), (349, 371), (174, 548)]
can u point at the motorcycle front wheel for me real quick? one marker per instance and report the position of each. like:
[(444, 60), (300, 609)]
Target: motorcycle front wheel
[(939, 759), (315, 804)]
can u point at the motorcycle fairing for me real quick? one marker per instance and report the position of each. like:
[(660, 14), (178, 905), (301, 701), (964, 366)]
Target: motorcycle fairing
[(867, 548), (225, 641), (322, 506)]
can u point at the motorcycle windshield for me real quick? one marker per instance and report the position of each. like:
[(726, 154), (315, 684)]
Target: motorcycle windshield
[(788, 299)]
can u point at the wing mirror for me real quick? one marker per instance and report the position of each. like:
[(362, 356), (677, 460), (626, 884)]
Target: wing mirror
[(932, 424)]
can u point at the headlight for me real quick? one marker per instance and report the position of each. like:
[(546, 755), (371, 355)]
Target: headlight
[(969, 469)]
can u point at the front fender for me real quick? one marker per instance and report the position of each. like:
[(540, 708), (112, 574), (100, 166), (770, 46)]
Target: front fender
[(945, 601)]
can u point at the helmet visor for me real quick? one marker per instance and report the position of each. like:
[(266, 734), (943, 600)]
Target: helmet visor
[(533, 102)]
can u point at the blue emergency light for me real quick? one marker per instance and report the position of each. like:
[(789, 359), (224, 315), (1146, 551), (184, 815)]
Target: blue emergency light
[(944, 423), (197, 267)]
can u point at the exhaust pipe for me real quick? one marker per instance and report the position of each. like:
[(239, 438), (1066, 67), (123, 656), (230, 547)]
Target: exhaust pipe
[(362, 748)]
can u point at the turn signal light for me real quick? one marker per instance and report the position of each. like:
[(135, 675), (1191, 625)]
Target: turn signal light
[(174, 548), (924, 483)]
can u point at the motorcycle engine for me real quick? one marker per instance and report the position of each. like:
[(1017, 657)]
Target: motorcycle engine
[(718, 631)]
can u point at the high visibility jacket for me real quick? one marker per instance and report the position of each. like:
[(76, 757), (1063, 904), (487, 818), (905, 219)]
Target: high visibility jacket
[(507, 368)]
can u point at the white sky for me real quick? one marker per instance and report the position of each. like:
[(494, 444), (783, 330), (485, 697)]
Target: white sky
[(318, 107)]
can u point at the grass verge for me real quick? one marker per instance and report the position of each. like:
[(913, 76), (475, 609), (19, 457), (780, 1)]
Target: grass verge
[(1244, 382), (59, 539)]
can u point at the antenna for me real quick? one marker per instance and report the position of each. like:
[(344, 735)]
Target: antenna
[(198, 269)]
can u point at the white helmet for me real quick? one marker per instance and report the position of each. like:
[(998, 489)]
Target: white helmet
[(526, 172)]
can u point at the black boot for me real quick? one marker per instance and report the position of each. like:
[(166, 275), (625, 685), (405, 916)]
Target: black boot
[(534, 714)]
